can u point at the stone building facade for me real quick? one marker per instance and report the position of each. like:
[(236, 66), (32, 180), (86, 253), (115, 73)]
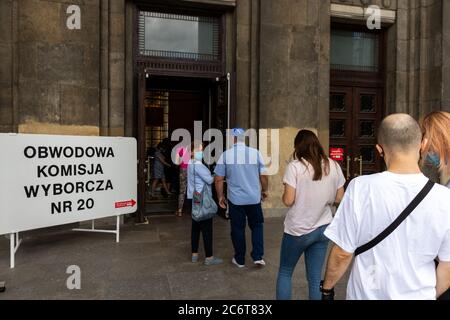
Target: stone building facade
[(278, 52)]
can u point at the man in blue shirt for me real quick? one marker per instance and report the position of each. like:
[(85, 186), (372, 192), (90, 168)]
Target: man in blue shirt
[(244, 169)]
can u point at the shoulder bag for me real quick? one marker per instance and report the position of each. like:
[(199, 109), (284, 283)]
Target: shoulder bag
[(203, 205)]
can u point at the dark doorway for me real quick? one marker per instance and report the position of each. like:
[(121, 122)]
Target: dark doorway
[(170, 104), (167, 104), (186, 108)]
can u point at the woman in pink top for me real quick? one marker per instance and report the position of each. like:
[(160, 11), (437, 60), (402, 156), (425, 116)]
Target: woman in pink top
[(313, 183), (183, 158)]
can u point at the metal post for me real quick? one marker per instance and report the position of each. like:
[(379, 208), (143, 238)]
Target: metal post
[(229, 100), (14, 243), (227, 212), (12, 251), (117, 228), (92, 229)]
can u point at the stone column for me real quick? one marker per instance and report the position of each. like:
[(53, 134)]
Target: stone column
[(116, 67), (294, 77), (402, 55), (243, 62), (7, 65), (104, 67), (419, 58), (446, 55), (255, 34), (323, 102), (129, 71)]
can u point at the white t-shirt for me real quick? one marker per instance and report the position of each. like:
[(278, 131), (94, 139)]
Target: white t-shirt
[(313, 199), (401, 267)]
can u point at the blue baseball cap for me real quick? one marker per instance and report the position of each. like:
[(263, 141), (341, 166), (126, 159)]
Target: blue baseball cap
[(237, 132)]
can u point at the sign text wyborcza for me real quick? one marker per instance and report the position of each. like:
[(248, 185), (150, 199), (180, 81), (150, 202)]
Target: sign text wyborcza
[(52, 180), (92, 170)]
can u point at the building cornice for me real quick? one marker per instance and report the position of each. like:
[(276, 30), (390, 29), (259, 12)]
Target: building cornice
[(230, 3), (360, 13)]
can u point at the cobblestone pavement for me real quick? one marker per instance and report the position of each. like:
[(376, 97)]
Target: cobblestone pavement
[(150, 262)]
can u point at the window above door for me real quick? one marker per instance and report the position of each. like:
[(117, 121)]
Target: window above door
[(186, 42), (179, 36), (355, 51)]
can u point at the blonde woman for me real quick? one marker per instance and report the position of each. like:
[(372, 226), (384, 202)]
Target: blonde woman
[(436, 153)]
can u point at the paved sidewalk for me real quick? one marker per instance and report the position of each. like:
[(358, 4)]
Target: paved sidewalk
[(151, 262)]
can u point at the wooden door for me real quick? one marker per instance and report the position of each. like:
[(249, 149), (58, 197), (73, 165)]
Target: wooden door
[(367, 116), (341, 108), (355, 114)]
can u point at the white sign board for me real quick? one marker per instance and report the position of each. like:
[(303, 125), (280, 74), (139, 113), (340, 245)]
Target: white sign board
[(53, 180)]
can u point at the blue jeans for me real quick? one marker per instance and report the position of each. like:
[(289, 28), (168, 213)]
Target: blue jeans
[(238, 219), (314, 245)]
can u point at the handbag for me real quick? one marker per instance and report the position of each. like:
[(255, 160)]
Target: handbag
[(203, 205)]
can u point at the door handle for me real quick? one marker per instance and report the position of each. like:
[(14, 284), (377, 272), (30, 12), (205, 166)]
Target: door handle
[(147, 171), (360, 160), (348, 167)]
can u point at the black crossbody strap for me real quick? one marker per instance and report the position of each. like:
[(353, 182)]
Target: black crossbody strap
[(410, 208)]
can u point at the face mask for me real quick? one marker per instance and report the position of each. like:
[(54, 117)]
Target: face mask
[(433, 159), (198, 155)]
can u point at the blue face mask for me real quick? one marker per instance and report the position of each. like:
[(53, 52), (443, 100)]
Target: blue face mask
[(198, 155), (433, 159)]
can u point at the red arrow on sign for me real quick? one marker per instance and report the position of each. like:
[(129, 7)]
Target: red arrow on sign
[(124, 204)]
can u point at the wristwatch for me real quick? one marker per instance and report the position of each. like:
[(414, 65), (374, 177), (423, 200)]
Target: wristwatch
[(327, 294)]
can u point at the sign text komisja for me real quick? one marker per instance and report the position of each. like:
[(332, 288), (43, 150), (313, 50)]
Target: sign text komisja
[(52, 180)]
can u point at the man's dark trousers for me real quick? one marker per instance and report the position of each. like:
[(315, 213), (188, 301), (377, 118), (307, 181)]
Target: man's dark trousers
[(239, 214)]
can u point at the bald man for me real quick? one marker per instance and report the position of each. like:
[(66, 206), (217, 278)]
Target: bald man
[(400, 267)]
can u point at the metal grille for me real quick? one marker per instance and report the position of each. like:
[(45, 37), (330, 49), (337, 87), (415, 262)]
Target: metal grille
[(178, 55), (157, 99), (186, 67), (173, 16)]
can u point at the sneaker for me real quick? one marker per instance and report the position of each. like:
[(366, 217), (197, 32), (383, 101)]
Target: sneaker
[(260, 263), (213, 262), (142, 223), (237, 264), (194, 259)]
